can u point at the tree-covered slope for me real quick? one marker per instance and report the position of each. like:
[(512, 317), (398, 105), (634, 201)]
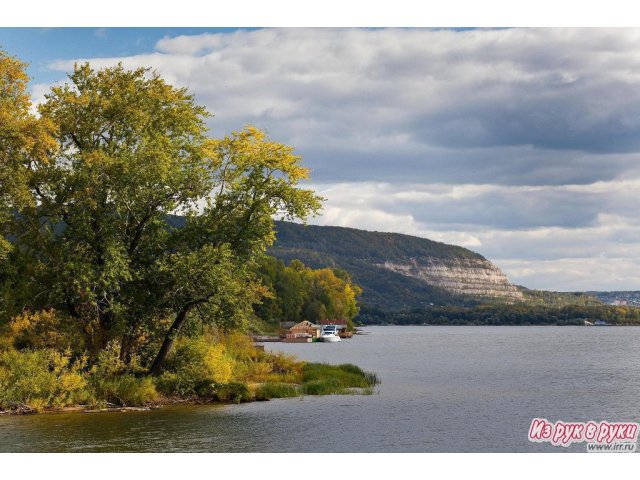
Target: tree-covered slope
[(365, 245)]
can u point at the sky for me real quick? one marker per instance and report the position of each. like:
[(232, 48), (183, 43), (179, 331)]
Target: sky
[(520, 144)]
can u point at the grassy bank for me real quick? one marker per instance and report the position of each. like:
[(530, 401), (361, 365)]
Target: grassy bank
[(322, 379)]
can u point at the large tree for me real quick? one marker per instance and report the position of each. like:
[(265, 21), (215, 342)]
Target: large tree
[(98, 235)]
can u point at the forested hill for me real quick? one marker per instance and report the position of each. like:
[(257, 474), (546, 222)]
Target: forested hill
[(399, 272), (371, 246), (394, 270)]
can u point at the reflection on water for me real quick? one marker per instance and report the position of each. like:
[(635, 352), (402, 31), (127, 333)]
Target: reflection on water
[(443, 389)]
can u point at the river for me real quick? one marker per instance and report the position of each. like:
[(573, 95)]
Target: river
[(444, 389)]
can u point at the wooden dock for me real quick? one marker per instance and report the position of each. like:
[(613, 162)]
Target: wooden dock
[(297, 340), (266, 338)]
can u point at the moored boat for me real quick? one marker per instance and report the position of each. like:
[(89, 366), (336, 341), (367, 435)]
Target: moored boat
[(329, 333)]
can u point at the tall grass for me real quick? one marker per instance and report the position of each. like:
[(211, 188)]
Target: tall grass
[(325, 379), (271, 390)]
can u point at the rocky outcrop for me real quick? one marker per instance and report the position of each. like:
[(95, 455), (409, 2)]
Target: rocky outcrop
[(464, 276)]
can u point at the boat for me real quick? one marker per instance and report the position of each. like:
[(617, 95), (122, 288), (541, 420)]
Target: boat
[(329, 333)]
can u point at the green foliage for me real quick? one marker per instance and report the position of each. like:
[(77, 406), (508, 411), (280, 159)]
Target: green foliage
[(108, 362), (375, 247), (115, 381), (558, 299), (24, 139), (46, 329), (201, 367), (233, 392), (90, 184), (97, 282), (258, 370), (40, 379), (239, 346), (126, 390), (301, 293), (196, 367), (518, 314), (361, 253)]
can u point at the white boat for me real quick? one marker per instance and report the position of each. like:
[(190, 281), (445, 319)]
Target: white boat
[(330, 337), (329, 333)]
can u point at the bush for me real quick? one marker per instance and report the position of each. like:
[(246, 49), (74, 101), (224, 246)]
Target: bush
[(240, 346), (195, 367), (108, 363), (285, 364), (46, 329), (126, 390), (258, 371), (233, 392), (41, 378), (114, 381)]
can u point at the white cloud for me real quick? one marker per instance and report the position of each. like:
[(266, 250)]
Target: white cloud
[(557, 256)]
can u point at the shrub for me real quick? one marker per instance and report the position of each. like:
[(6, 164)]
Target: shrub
[(41, 378), (240, 346), (285, 364), (195, 367), (126, 390), (108, 363), (114, 381), (259, 370), (283, 378), (240, 371), (168, 384), (233, 392), (46, 329)]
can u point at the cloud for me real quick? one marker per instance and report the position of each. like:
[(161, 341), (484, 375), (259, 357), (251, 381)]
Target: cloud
[(542, 231), (473, 206), (521, 106), (523, 144)]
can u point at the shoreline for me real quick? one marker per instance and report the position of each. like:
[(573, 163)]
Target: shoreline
[(24, 410), (318, 379)]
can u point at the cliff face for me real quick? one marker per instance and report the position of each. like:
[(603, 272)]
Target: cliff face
[(476, 277)]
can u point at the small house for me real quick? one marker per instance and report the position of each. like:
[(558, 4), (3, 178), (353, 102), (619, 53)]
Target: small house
[(304, 329)]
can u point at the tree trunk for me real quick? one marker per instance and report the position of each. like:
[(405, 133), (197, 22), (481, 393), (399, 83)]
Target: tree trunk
[(125, 348), (167, 344)]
